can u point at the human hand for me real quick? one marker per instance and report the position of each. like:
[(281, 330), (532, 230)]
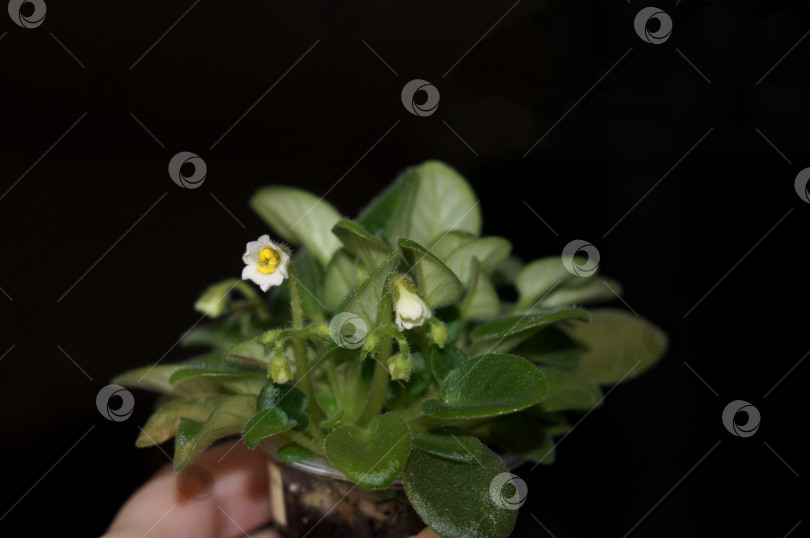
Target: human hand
[(238, 503)]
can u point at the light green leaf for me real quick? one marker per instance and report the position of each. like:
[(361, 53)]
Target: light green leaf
[(332, 420), (366, 300), (567, 390), (340, 280), (299, 217), (227, 418), (617, 345), (252, 351), (423, 202), (437, 284), (537, 278), (487, 386), (448, 241), (310, 280), (264, 424), (164, 422), (585, 290), (218, 334), (451, 443), (481, 302), (373, 456), (157, 378), (214, 365), (490, 251), (359, 242), (454, 498), (506, 333)]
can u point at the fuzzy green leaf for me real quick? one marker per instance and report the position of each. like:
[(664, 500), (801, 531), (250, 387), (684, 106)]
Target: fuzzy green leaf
[(453, 497), (164, 422), (481, 302), (340, 280), (490, 251), (290, 399), (362, 244), (617, 346), (264, 424), (227, 418), (486, 386), (372, 456), (451, 443), (365, 302), (506, 333), (157, 378), (437, 283), (425, 201), (567, 390), (444, 361), (293, 452)]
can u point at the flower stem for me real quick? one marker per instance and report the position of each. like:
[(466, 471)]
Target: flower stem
[(379, 382), (299, 346), (305, 442)]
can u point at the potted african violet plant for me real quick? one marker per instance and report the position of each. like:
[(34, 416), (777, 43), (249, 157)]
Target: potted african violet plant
[(380, 369)]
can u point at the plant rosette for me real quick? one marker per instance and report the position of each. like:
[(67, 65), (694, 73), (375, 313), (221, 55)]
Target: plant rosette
[(376, 357)]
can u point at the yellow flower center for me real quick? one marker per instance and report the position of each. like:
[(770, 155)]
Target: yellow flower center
[(268, 261)]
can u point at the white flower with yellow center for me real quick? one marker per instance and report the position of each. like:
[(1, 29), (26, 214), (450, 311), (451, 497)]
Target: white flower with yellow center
[(265, 263), (411, 310)]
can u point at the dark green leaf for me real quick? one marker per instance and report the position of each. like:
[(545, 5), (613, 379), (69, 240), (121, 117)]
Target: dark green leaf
[(506, 333), (292, 452), (486, 386), (264, 424), (443, 361), (454, 498), (290, 399), (373, 456), (552, 346), (451, 443)]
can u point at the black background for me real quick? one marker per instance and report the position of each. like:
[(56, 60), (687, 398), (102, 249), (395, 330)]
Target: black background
[(319, 121)]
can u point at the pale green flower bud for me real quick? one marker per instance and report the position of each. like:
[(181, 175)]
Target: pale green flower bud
[(400, 367)]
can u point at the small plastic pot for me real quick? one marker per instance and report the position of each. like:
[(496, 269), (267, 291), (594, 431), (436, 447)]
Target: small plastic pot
[(312, 498)]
